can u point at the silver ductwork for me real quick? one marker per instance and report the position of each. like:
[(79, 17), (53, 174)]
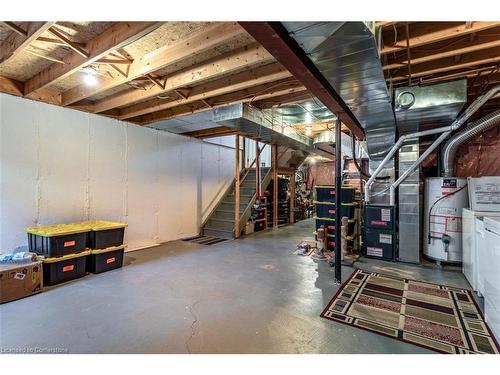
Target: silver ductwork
[(420, 108), (326, 139), (346, 53), (474, 128)]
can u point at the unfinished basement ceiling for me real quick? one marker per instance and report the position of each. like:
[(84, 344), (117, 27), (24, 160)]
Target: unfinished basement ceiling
[(151, 72)]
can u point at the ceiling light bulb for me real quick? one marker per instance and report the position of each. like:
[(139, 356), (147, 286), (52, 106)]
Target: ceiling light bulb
[(90, 79), (309, 130)]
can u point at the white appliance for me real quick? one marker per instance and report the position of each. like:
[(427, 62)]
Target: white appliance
[(472, 237), (484, 193), (444, 199), (491, 272)]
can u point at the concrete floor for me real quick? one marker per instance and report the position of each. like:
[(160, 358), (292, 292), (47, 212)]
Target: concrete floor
[(252, 295)]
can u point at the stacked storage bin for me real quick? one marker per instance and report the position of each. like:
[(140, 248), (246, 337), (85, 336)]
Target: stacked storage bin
[(106, 243), (325, 212), (72, 250), (64, 247)]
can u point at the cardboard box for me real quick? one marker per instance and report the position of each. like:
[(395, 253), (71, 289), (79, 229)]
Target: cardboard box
[(20, 280)]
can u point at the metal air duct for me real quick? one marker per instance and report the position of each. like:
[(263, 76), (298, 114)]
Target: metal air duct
[(475, 128)]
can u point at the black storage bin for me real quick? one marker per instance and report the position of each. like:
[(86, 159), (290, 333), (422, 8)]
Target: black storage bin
[(379, 216), (380, 244), (105, 260), (57, 240), (327, 210), (104, 234), (66, 268), (326, 193), (259, 225)]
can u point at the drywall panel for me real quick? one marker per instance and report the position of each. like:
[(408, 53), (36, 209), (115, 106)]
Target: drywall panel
[(18, 170), (142, 185), (107, 169), (61, 165), (63, 161), (170, 196)]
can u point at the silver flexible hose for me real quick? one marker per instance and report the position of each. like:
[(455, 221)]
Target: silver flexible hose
[(475, 128)]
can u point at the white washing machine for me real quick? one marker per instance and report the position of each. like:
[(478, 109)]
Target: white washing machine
[(491, 272), (472, 237)]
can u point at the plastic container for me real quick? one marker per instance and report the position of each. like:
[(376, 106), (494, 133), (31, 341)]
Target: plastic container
[(104, 234), (327, 209), (106, 259), (330, 243), (326, 193), (57, 240), (66, 268), (329, 225)]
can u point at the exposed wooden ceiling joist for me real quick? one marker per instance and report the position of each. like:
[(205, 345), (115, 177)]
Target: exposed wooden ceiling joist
[(16, 42), (117, 36), (212, 132), (435, 33), (69, 43), (224, 65), (207, 39), (488, 56), (14, 87), (291, 98), (453, 49), (243, 80), (248, 95), (16, 28)]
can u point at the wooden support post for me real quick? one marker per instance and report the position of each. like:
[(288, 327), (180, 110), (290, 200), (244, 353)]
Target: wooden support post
[(237, 186), (274, 156), (338, 200), (292, 197), (257, 169), (244, 153)]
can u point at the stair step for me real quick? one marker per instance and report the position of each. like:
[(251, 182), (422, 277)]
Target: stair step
[(207, 231), (223, 214), (220, 224)]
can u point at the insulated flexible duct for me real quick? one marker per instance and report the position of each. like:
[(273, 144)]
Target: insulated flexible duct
[(475, 128)]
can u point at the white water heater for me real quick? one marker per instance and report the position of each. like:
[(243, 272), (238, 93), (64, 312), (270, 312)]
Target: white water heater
[(443, 202)]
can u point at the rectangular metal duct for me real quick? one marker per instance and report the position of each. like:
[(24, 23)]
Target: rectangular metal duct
[(423, 107), (346, 54)]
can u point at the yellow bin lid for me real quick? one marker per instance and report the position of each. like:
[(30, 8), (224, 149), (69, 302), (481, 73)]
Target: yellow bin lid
[(58, 229)]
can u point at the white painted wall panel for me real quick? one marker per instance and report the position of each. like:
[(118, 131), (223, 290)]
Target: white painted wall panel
[(107, 169), (18, 170), (63, 161), (60, 165)]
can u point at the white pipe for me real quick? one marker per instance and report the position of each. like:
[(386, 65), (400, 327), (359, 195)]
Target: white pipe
[(393, 150)]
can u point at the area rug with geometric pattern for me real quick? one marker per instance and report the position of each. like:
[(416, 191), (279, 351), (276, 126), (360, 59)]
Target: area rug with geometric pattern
[(437, 317)]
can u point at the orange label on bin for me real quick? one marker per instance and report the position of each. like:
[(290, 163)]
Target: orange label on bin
[(110, 260), (69, 268), (69, 243)]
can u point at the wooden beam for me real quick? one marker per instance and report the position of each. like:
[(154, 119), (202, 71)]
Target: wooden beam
[(45, 57), (233, 98), (16, 43), (274, 166), (74, 46), (277, 101), (384, 23), (207, 39), (436, 32), (117, 36), (14, 87), (237, 186), (17, 29), (468, 46), (219, 131), (275, 38), (225, 64), (239, 81), (55, 41), (488, 56)]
